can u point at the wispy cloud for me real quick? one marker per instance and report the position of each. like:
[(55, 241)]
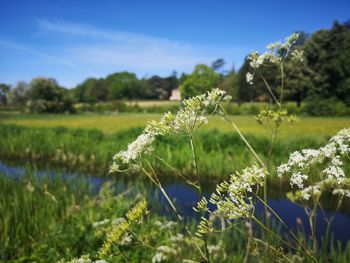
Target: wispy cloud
[(119, 50), (38, 53), (95, 52)]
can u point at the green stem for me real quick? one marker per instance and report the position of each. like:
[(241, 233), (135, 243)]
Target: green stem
[(249, 239), (195, 165), (329, 223), (158, 184), (283, 223), (200, 193), (176, 171), (273, 234), (273, 137), (270, 90), (271, 247), (282, 84), (283, 241), (233, 124)]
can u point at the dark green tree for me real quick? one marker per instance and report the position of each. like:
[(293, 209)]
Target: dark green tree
[(328, 56), (4, 91)]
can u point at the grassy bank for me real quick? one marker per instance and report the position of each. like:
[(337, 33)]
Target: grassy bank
[(219, 153), (45, 220)]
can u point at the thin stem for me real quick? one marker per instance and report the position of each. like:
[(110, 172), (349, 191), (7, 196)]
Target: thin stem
[(158, 184), (123, 256), (270, 90), (283, 223), (249, 239), (271, 247), (226, 118), (282, 84), (273, 137), (200, 193), (176, 171), (194, 160), (280, 239), (329, 223), (273, 234)]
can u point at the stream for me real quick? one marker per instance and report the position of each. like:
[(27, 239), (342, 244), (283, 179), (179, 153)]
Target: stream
[(186, 197)]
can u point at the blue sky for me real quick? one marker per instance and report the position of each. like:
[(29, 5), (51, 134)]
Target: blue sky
[(73, 40)]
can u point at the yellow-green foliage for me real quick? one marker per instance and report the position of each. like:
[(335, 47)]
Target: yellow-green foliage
[(118, 231), (310, 126)]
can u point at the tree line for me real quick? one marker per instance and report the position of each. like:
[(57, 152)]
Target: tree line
[(322, 80)]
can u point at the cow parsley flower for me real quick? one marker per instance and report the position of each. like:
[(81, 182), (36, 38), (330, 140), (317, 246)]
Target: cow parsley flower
[(163, 253), (341, 192), (233, 198), (331, 155), (277, 52), (298, 179), (335, 172), (215, 96), (190, 117), (136, 148)]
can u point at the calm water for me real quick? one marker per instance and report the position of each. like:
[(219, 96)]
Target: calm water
[(185, 198)]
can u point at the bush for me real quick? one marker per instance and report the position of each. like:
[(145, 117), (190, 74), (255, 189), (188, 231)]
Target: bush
[(326, 107)]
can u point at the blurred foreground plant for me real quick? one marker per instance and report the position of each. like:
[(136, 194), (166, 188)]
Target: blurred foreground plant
[(235, 200)]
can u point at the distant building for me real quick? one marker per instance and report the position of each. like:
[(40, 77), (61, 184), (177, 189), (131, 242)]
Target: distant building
[(175, 94)]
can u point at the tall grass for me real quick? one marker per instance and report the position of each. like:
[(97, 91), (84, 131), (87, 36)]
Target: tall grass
[(44, 219), (219, 153)]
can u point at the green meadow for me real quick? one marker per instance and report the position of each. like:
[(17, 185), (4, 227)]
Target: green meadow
[(88, 142), (111, 123)]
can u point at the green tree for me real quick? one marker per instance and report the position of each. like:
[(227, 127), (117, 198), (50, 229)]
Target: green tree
[(202, 79), (45, 95), (91, 91), (122, 85), (328, 56), (230, 84), (4, 91), (18, 95), (162, 87)]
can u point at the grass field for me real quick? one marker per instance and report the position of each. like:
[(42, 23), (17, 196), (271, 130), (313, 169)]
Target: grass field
[(108, 124)]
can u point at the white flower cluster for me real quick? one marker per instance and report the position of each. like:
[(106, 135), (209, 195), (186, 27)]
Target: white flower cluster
[(342, 192), (276, 53), (301, 162), (178, 238), (163, 253), (298, 179), (310, 191), (126, 240), (314, 191), (233, 199), (135, 149), (165, 226), (327, 161), (187, 120)]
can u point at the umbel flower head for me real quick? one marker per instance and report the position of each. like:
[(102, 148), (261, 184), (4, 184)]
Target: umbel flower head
[(327, 161), (233, 198), (276, 53), (190, 117)]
